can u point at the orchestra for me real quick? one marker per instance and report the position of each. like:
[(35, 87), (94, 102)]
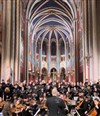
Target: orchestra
[(80, 99)]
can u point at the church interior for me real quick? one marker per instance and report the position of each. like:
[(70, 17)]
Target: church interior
[(50, 39), (49, 57)]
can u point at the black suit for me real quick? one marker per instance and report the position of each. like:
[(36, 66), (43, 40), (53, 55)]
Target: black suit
[(56, 106), (1, 92), (83, 108)]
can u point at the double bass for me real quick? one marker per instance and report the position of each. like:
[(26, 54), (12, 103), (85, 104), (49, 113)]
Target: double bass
[(93, 112)]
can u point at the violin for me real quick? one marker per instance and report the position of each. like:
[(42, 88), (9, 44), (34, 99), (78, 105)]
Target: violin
[(18, 108), (30, 101), (2, 103)]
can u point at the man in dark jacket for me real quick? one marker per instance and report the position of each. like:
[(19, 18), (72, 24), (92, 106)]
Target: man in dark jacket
[(56, 105), (82, 107), (97, 106), (1, 91)]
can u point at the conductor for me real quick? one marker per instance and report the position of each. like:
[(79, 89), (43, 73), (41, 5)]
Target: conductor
[(56, 105)]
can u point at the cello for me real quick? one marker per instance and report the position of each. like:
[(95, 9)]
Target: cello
[(93, 112)]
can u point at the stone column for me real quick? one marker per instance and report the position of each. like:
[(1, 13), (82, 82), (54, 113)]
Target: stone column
[(95, 45), (33, 56), (40, 57), (85, 48), (35, 47), (58, 57), (59, 60), (6, 66), (3, 41), (13, 42), (98, 31), (90, 42), (49, 58), (76, 50), (17, 55), (65, 57), (71, 54)]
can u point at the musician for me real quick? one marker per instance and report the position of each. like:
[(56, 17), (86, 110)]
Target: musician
[(31, 107), (66, 100), (10, 86), (48, 90), (19, 108), (95, 95), (90, 102), (3, 84), (97, 106), (16, 90), (1, 104), (7, 107), (75, 92), (41, 102), (23, 92), (89, 90), (82, 106), (56, 105), (7, 93), (1, 91)]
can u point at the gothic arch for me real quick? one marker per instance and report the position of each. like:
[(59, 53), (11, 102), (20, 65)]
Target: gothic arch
[(65, 27)]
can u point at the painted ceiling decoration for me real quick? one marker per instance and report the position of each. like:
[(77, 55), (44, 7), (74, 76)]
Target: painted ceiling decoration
[(51, 18), (48, 21)]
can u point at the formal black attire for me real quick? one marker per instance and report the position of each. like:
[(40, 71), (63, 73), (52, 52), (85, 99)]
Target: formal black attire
[(83, 108), (56, 106), (1, 92)]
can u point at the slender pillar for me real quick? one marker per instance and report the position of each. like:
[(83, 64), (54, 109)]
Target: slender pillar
[(71, 54), (95, 49), (3, 40), (65, 57), (49, 58), (13, 42), (85, 49), (98, 31), (17, 73), (90, 42), (33, 53), (8, 33), (6, 66), (40, 56), (58, 57), (76, 50), (35, 47)]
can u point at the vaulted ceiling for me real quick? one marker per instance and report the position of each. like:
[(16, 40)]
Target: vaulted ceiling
[(52, 19)]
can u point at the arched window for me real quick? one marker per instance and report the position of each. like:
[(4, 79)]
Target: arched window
[(44, 49), (53, 48), (62, 48)]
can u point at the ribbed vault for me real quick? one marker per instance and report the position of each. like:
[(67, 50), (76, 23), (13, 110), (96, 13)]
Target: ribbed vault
[(51, 20)]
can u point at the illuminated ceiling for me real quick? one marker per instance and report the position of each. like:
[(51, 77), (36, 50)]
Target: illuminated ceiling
[(52, 19)]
